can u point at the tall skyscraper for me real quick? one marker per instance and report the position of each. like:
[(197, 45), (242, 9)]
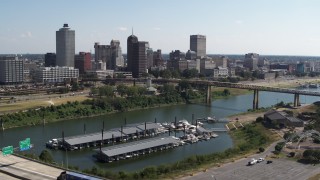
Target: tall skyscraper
[(65, 46), (198, 45), (137, 56), (11, 70), (130, 43)]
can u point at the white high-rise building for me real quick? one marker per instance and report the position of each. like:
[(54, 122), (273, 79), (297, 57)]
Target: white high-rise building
[(11, 70), (65, 46)]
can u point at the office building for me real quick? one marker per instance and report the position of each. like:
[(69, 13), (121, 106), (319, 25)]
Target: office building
[(198, 45), (83, 62), (65, 46), (117, 59), (220, 72), (50, 60), (11, 70), (140, 59), (108, 56), (101, 54), (157, 58), (221, 61), (56, 74), (131, 41), (150, 61), (251, 61), (191, 55), (138, 53)]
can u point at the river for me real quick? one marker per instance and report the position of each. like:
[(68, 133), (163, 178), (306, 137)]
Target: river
[(83, 159)]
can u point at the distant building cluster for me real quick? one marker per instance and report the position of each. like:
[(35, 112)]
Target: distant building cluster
[(65, 65)]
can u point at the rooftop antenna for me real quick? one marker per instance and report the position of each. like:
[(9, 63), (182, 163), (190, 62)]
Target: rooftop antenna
[(132, 30)]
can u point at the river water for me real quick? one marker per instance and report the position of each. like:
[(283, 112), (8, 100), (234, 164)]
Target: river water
[(83, 159)]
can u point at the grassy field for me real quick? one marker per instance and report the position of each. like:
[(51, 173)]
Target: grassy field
[(233, 91), (316, 177), (23, 105)]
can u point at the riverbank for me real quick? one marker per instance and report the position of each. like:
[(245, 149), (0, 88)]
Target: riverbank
[(252, 116), (282, 82)]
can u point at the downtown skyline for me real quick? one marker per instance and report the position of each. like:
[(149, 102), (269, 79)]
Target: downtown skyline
[(231, 27)]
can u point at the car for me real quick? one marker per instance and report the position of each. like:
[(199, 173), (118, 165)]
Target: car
[(269, 162), (260, 160), (252, 162)]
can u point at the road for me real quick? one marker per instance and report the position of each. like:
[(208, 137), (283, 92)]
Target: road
[(23, 168), (278, 169)]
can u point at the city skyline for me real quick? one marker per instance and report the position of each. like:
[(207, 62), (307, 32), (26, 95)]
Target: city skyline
[(231, 27)]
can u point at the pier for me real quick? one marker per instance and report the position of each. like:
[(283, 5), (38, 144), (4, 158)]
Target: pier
[(137, 148), (122, 134)]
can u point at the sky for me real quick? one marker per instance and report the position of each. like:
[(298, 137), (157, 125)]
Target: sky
[(266, 27)]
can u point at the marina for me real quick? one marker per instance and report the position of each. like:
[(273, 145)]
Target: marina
[(137, 148), (135, 139), (122, 134)]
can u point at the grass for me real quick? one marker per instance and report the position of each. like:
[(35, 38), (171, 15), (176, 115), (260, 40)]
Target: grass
[(316, 177), (233, 91), (30, 104)]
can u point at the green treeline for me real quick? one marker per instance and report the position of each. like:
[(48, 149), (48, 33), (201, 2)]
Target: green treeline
[(251, 137), (104, 101)]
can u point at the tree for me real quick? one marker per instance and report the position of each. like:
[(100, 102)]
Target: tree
[(184, 85), (190, 73), (166, 74), (122, 89), (261, 149), (259, 119), (74, 86), (46, 156), (106, 91), (94, 91), (226, 92), (132, 91), (155, 73)]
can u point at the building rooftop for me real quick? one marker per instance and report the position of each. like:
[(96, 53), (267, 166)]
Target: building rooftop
[(138, 145), (116, 133)]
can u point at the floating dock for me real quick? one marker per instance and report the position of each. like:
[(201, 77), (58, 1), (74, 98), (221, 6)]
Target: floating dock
[(137, 148), (132, 131)]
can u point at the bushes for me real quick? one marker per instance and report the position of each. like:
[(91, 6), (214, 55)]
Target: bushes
[(311, 156), (46, 156), (279, 147)]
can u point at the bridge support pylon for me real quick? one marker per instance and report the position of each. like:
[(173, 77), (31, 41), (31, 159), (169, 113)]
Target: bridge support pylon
[(296, 101), (208, 97), (255, 104)]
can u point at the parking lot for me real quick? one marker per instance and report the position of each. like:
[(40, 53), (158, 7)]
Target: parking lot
[(278, 169)]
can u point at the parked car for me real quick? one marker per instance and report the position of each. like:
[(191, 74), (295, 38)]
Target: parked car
[(268, 162), (260, 160)]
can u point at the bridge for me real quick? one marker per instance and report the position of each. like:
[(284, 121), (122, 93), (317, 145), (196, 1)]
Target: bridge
[(208, 84)]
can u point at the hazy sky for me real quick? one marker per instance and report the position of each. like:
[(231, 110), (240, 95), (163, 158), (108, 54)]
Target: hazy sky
[(268, 27)]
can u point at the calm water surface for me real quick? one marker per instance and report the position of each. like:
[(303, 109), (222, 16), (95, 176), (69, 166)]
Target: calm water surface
[(83, 159)]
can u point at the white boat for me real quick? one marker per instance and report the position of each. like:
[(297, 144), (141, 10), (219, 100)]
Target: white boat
[(53, 144), (184, 122), (210, 119)]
